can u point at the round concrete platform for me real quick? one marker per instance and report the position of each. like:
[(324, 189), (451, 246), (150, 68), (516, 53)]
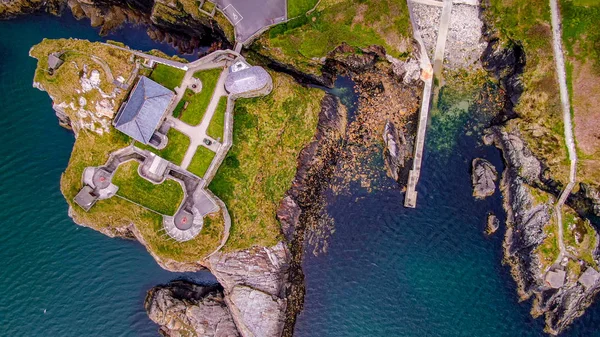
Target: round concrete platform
[(184, 220), (101, 179)]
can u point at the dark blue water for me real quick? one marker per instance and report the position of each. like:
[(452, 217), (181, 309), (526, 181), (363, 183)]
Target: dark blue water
[(429, 271), (89, 284)]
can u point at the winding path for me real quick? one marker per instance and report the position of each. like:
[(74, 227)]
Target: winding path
[(559, 60)]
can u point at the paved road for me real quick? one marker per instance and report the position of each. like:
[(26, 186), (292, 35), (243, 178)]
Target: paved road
[(250, 17), (559, 60)]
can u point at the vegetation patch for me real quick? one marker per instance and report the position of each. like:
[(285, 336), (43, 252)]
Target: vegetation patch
[(302, 41), (268, 136), (167, 76), (198, 103), (201, 161), (216, 128), (176, 147), (299, 7), (163, 198), (528, 23), (547, 252), (64, 84), (579, 236)]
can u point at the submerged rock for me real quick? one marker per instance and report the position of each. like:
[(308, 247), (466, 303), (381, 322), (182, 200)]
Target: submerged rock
[(395, 150), (484, 178), (183, 308), (492, 224)]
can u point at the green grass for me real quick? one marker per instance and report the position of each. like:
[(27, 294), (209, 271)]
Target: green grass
[(164, 198), (201, 161), (268, 136), (167, 76), (176, 147), (199, 102), (91, 149), (580, 34), (360, 24), (299, 7), (527, 23), (208, 6), (195, 110), (216, 127)]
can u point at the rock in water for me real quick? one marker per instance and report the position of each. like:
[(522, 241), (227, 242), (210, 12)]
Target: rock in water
[(484, 178), (182, 308), (492, 224), (395, 150)]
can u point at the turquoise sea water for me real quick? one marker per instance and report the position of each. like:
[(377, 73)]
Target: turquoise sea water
[(389, 271)]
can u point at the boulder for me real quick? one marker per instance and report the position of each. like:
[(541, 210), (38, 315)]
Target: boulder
[(492, 224), (395, 150), (484, 178), (183, 308)]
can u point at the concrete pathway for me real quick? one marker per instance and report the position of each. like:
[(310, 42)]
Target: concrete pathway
[(559, 60), (440, 47), (197, 133)]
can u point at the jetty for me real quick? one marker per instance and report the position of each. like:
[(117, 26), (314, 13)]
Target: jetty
[(410, 199)]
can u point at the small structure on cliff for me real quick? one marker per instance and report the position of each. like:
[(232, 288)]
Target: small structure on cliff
[(555, 278), (244, 80), (147, 106), (54, 62), (86, 198), (589, 278)]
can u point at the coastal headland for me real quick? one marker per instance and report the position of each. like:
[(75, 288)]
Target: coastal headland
[(230, 178)]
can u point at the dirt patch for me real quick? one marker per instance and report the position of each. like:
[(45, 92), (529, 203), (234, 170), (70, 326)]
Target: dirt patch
[(586, 86)]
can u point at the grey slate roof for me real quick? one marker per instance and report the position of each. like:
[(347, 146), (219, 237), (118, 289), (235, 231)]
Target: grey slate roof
[(54, 61), (246, 80), (85, 198), (142, 113)]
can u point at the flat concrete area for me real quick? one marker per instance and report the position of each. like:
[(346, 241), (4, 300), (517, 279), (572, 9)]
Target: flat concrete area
[(251, 16)]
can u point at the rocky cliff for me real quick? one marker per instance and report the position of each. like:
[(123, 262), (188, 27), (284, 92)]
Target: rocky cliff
[(561, 289), (185, 309), (178, 22)]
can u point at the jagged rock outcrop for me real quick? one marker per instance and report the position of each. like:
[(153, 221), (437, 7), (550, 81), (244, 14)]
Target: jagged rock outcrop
[(526, 219), (255, 283), (167, 21), (506, 64), (484, 178), (12, 8), (395, 151), (301, 211), (183, 308)]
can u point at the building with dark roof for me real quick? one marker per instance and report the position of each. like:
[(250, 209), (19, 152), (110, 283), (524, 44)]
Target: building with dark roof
[(86, 198), (54, 61), (142, 113)]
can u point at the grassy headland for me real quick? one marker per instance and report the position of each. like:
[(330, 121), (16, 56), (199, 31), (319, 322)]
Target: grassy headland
[(301, 42), (268, 136)]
